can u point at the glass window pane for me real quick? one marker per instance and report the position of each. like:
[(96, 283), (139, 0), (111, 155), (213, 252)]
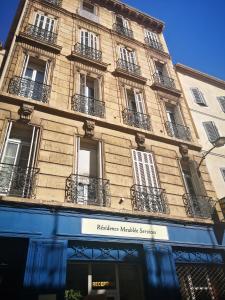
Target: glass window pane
[(103, 276), (77, 278)]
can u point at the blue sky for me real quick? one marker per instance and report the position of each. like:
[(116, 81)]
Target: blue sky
[(195, 29)]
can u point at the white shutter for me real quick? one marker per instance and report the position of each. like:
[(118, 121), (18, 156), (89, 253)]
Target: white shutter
[(132, 57), (139, 102), (25, 64), (47, 65), (144, 169), (125, 23), (222, 102), (211, 131), (152, 36), (198, 96), (96, 89)]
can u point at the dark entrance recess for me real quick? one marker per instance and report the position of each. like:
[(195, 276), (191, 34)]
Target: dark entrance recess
[(13, 253)]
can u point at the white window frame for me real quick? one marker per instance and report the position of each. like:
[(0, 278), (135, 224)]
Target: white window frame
[(124, 21), (94, 7), (89, 39), (37, 21), (152, 36), (138, 98), (127, 55), (223, 172)]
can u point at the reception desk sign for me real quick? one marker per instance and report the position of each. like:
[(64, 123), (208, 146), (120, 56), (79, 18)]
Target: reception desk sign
[(124, 229)]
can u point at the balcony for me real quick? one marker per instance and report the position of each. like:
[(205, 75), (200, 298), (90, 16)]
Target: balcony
[(154, 44), (149, 199), (129, 67), (165, 84), (85, 190), (88, 52), (136, 119), (123, 30), (40, 34), (30, 89), (88, 15), (198, 206), (57, 3), (17, 181), (88, 105), (178, 131)]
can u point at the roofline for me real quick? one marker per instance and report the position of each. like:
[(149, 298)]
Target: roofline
[(200, 75), (134, 12)]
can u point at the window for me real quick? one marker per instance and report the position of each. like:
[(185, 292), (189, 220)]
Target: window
[(223, 172), (198, 96), (88, 6), (128, 55), (89, 39), (222, 102), (135, 101), (44, 22), (146, 193), (121, 22), (35, 77), (211, 131), (152, 40), (18, 160), (90, 187)]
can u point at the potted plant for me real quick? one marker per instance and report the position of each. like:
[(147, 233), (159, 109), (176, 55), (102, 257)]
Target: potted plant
[(72, 295)]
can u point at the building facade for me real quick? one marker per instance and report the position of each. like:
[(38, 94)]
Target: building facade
[(99, 182), (206, 99)]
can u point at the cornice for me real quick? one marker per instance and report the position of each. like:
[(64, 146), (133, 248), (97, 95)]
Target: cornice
[(180, 68), (73, 115)]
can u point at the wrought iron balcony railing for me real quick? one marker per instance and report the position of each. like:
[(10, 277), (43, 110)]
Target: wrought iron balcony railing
[(41, 34), (163, 80), (88, 105), (129, 67), (30, 89), (179, 131), (154, 44), (136, 119), (87, 190), (55, 2), (88, 52), (150, 199), (198, 205), (17, 181), (123, 30)]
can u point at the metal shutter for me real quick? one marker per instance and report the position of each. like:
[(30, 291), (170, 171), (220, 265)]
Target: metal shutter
[(198, 96), (222, 102), (211, 130)]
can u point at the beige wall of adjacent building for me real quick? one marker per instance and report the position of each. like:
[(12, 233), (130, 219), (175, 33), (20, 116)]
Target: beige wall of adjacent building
[(211, 89)]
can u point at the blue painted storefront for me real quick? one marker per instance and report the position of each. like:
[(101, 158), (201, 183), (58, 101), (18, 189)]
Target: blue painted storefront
[(51, 232)]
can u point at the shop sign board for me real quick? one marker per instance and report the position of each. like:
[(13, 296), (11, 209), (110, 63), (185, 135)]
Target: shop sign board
[(124, 229)]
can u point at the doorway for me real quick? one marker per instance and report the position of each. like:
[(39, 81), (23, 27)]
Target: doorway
[(116, 281)]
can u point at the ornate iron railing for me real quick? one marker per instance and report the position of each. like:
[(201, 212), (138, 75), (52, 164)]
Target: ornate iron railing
[(128, 67), (150, 199), (41, 34), (55, 2), (17, 181), (154, 44), (179, 131), (88, 52), (88, 105), (136, 119), (87, 190), (201, 281), (163, 80), (199, 206), (30, 89), (123, 30)]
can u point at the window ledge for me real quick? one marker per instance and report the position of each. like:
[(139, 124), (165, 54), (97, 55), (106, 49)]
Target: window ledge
[(123, 73), (84, 59), (169, 90)]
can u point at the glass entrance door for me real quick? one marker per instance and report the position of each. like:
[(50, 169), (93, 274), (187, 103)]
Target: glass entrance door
[(108, 281)]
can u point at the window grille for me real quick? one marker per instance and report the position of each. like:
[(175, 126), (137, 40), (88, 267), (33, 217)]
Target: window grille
[(222, 102), (198, 96), (211, 131)]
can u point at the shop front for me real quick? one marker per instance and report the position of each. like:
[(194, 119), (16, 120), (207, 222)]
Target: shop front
[(58, 252)]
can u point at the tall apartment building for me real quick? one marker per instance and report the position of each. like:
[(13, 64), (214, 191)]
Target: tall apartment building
[(100, 189), (206, 99)]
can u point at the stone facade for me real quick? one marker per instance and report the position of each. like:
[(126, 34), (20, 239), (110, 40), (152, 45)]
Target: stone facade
[(60, 125)]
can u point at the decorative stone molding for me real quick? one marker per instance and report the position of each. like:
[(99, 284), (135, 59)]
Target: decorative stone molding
[(140, 140), (184, 152), (89, 127), (25, 112)]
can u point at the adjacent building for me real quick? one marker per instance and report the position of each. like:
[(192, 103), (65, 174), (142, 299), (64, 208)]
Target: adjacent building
[(205, 96), (99, 181)]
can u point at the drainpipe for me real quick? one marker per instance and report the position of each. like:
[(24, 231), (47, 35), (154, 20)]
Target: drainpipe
[(13, 42)]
